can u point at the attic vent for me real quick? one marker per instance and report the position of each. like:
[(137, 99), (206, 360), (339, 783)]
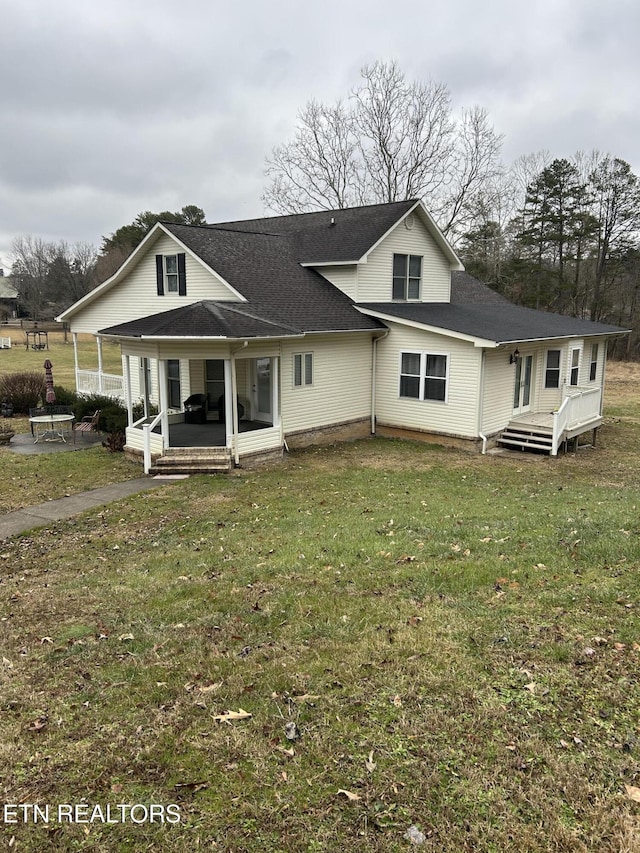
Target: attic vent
[(409, 222)]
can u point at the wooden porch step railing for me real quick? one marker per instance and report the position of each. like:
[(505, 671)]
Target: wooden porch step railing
[(517, 437), (193, 460)]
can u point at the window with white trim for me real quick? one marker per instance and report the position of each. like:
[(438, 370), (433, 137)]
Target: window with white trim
[(552, 371), (171, 273), (424, 375), (407, 276), (302, 369), (593, 367), (574, 371)]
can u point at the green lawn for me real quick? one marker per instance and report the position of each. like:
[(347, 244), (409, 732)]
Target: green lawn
[(455, 638)]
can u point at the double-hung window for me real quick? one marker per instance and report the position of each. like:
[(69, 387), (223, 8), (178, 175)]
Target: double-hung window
[(407, 275), (171, 275), (424, 375), (574, 372), (593, 367), (552, 372), (302, 369)]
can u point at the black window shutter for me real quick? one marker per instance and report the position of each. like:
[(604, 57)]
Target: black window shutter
[(182, 276), (160, 274)]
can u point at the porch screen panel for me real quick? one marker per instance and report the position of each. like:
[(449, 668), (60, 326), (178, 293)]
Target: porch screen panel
[(173, 383), (214, 373)]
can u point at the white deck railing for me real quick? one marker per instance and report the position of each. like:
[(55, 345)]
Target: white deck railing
[(5, 343), (580, 407), (94, 382)]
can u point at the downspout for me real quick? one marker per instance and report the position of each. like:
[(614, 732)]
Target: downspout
[(481, 401), (234, 402), (374, 357)]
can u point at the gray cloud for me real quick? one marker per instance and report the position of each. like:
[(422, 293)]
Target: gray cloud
[(111, 108)]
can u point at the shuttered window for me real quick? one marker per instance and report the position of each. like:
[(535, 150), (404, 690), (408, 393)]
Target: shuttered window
[(171, 274)]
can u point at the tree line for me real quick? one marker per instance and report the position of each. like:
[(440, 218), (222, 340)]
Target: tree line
[(553, 234)]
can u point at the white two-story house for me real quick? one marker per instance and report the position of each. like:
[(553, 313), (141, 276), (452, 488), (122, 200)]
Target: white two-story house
[(300, 329)]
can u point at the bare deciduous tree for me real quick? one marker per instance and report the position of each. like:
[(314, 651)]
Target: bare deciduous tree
[(392, 140)]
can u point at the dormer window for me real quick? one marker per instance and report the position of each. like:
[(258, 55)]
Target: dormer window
[(171, 274), (407, 275)]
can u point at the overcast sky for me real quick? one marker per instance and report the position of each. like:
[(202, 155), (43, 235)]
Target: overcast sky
[(112, 107)]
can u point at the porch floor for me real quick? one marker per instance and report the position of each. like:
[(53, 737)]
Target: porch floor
[(538, 420), (211, 434)]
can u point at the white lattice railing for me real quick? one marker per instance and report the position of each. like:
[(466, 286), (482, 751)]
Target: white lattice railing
[(94, 382)]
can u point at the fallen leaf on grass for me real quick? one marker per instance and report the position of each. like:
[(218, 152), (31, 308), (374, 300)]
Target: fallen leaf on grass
[(370, 763), (350, 795), (632, 793), (397, 701), (228, 716)]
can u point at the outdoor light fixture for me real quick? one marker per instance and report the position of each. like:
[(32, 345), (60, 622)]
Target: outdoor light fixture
[(514, 356)]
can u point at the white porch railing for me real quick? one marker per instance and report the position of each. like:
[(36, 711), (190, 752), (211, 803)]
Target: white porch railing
[(5, 343), (94, 382), (580, 407), (140, 437)]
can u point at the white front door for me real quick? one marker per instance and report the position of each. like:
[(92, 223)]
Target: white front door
[(522, 384)]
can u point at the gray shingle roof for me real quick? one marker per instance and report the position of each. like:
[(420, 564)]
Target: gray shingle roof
[(202, 319), (498, 321), (329, 235)]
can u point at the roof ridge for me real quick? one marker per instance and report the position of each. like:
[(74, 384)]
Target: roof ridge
[(244, 313)]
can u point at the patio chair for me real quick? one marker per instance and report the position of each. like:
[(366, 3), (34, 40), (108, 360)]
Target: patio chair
[(195, 409), (88, 424)]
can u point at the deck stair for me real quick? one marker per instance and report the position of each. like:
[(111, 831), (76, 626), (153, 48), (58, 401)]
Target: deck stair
[(520, 436), (193, 460)]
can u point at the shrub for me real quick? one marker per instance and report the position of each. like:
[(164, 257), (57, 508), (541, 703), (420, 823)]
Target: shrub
[(113, 415), (25, 390)]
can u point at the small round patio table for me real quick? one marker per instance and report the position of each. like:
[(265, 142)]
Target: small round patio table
[(51, 427)]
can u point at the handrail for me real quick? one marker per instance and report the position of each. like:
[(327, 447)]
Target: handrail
[(146, 430), (573, 412)]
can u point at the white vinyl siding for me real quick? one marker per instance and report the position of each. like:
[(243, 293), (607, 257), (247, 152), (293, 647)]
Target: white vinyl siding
[(375, 277), (341, 389), (136, 295), (497, 396), (343, 277), (459, 415)]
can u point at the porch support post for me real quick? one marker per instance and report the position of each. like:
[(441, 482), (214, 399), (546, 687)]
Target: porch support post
[(75, 355), (234, 408), (163, 389), (100, 382), (227, 402), (275, 390), (126, 372)]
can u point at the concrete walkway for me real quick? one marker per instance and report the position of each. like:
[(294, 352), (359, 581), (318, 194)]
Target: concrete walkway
[(14, 523)]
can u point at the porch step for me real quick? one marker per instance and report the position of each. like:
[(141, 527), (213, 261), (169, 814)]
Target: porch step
[(193, 460), (525, 438)]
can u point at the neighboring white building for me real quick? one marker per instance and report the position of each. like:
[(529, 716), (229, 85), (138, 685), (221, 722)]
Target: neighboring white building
[(313, 327)]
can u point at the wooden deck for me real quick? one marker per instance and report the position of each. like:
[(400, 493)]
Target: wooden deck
[(535, 420)]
